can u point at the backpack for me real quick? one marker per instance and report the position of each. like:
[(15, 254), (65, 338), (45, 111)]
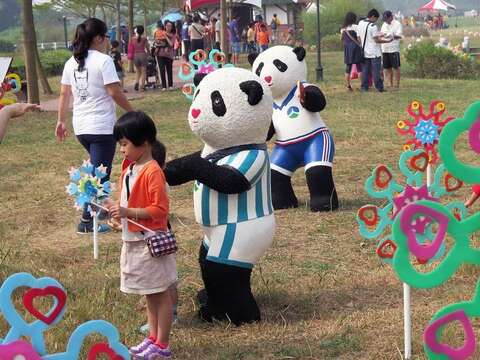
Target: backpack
[(273, 24)]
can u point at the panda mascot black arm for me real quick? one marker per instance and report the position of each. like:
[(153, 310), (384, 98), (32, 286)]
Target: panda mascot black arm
[(224, 179)]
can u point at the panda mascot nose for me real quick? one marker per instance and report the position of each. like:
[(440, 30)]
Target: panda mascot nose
[(196, 113), (268, 79)]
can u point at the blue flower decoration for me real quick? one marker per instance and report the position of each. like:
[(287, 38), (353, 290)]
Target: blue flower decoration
[(75, 175), (426, 132), (72, 189)]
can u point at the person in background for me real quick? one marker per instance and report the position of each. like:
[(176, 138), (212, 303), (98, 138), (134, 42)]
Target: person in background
[(141, 49), (244, 40), (392, 29), (352, 49), (234, 35), (185, 33), (290, 38), (12, 111), (165, 56), (212, 32), (263, 38), (258, 23), (89, 76), (274, 25), (196, 31), (117, 60), (371, 39), (218, 30), (251, 38)]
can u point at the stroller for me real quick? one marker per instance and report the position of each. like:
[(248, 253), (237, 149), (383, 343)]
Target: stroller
[(152, 73)]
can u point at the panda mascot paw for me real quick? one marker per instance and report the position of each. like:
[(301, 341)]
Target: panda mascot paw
[(231, 112), (302, 138)]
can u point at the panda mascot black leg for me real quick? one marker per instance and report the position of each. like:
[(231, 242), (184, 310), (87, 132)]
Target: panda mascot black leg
[(283, 196), (227, 293), (323, 196)]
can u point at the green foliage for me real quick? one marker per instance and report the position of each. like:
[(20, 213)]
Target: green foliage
[(429, 61), (332, 16), (52, 61), (332, 42), (6, 46), (9, 14)]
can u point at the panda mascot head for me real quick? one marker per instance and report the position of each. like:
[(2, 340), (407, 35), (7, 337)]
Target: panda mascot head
[(230, 107), (280, 67)]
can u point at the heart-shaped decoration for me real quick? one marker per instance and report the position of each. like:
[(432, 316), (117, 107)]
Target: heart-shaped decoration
[(383, 176), (56, 292), (431, 335), (105, 349), (186, 69), (368, 214), (386, 250), (196, 113), (19, 349), (474, 136), (452, 183), (407, 217), (419, 162)]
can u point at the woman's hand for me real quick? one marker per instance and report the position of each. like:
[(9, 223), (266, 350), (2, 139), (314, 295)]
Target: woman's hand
[(18, 109), (61, 131)]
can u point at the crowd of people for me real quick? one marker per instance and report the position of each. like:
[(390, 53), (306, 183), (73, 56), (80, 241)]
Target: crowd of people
[(367, 50)]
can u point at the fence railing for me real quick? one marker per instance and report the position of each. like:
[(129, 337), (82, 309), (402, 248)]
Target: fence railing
[(52, 45)]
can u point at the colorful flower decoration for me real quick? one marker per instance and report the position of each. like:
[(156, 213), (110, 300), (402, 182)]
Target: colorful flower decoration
[(375, 222), (200, 63), (12, 83), (424, 128), (14, 346), (86, 184), (461, 250)]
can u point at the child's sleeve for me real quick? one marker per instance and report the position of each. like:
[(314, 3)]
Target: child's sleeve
[(157, 195)]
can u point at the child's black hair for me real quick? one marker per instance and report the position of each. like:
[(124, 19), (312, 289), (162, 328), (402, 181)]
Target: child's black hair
[(115, 44), (138, 127)]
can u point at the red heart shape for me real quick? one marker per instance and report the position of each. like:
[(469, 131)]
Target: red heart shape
[(54, 291), (102, 348), (415, 159), (382, 249), (380, 172), (365, 211), (186, 69), (457, 184), (196, 113)]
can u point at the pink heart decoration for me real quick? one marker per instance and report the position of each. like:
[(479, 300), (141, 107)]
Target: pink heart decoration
[(423, 251), (18, 348), (474, 136), (468, 348)]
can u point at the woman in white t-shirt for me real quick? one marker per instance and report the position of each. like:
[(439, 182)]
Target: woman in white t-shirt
[(197, 33), (90, 77)]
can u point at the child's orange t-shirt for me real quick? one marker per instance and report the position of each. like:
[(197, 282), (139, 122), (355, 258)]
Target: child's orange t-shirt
[(262, 38), (160, 35)]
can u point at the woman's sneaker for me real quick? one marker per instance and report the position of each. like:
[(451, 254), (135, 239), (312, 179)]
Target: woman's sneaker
[(135, 350), (154, 352), (87, 228)]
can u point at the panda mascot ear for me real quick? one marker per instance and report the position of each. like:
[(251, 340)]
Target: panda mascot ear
[(252, 57), (254, 91), (300, 52), (198, 78)]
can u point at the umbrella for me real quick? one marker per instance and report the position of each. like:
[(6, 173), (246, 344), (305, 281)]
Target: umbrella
[(436, 5), (173, 17)]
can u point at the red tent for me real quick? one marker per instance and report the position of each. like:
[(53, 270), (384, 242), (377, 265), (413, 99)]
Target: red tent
[(437, 5), (195, 4)]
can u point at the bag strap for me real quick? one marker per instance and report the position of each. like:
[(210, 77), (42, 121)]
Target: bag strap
[(198, 32), (365, 38), (352, 38)]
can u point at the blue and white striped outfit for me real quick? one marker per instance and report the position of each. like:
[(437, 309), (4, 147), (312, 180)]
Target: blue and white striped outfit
[(238, 228)]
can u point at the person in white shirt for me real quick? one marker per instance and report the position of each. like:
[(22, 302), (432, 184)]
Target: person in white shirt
[(371, 38), (392, 29), (90, 77)]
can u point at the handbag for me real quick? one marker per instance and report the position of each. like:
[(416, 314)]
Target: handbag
[(159, 242), (354, 72)]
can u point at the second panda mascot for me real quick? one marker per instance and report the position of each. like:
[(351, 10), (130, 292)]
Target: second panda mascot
[(302, 137), (231, 113)]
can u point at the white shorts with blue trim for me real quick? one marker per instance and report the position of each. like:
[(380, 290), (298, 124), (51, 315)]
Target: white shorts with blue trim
[(239, 244)]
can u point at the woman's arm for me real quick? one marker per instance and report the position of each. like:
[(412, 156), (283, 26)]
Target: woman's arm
[(63, 103), (147, 45), (12, 111), (116, 92)]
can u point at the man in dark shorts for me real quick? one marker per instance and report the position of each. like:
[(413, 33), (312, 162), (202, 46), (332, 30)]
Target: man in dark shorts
[(392, 29)]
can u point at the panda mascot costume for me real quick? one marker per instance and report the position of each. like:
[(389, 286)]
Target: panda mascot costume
[(231, 113), (302, 139)]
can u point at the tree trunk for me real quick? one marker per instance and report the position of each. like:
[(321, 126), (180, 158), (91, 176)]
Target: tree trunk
[(119, 29), (47, 90), (29, 46), (145, 21), (163, 7), (130, 30), (104, 14)]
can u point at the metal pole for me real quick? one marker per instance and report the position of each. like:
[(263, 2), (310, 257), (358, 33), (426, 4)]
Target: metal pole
[(65, 31), (319, 69)]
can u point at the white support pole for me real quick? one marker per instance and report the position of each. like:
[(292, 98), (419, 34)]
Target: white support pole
[(429, 175), (407, 321), (95, 236)]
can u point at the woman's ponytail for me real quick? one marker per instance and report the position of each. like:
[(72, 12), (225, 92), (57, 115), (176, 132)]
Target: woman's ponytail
[(84, 35)]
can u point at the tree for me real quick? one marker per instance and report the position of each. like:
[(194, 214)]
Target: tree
[(29, 48), (130, 29)]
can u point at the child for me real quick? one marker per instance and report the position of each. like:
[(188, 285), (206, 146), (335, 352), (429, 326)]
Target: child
[(251, 38), (117, 60), (144, 199), (262, 38)]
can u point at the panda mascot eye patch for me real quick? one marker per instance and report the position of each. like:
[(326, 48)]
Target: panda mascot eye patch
[(259, 68), (281, 66), (218, 105)]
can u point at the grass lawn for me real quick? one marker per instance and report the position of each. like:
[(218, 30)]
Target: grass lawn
[(322, 291)]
